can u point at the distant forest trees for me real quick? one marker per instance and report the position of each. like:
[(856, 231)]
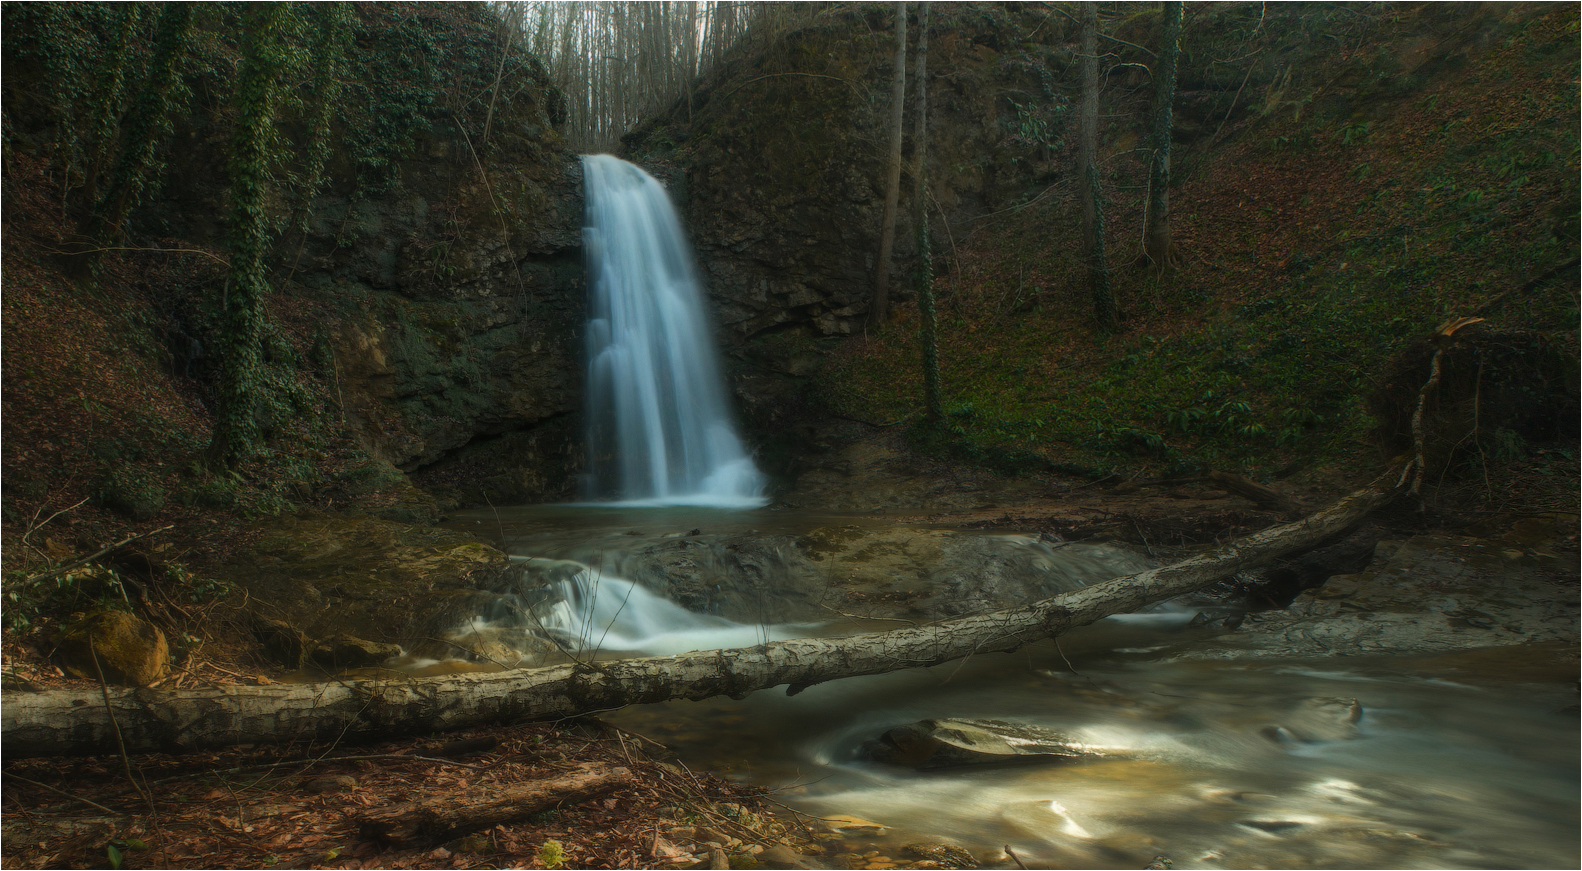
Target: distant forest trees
[(619, 62)]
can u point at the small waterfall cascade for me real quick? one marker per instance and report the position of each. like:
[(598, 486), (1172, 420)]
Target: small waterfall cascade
[(659, 427)]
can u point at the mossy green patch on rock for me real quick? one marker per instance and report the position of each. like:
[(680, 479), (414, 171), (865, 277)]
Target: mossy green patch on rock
[(121, 648), (326, 574)]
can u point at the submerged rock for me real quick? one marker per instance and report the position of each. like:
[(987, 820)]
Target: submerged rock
[(947, 855), (949, 743), (1322, 719)]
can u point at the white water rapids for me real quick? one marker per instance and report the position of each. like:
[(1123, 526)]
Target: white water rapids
[(659, 428)]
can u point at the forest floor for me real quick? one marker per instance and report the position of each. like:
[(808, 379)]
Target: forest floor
[(303, 806)]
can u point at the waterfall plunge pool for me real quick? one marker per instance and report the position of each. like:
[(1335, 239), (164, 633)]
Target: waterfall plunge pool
[(1456, 761)]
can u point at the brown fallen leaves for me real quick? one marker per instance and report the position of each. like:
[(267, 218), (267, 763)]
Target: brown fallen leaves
[(252, 807)]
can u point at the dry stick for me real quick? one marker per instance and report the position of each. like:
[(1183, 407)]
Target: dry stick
[(126, 759), (1015, 858), (64, 793), (1250, 68), (1418, 465), (505, 232), (37, 526), (88, 559), (215, 257)]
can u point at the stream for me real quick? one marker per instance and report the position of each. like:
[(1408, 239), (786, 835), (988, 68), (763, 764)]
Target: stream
[(1447, 761)]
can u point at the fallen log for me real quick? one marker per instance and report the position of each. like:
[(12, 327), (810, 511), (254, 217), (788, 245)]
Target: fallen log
[(1265, 497), (434, 820), (80, 721)]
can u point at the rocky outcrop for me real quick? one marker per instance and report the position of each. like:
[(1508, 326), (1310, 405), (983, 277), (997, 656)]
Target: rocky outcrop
[(779, 159), (1432, 593), (437, 274)]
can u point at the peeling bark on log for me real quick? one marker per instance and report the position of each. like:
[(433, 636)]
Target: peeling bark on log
[(77, 721), (418, 823)]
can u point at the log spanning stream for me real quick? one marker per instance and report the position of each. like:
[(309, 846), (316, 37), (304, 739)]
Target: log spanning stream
[(1104, 747), (1341, 762)]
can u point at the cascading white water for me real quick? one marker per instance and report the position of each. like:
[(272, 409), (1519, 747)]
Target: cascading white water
[(659, 428), (593, 613)]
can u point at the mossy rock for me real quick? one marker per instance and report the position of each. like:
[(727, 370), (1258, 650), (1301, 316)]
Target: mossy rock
[(280, 641), (126, 649), (132, 492), (341, 651)]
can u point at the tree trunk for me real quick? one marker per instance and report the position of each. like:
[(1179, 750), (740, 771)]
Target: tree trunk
[(879, 312), (77, 720), (1088, 174), (236, 431), (1158, 249), (933, 399)]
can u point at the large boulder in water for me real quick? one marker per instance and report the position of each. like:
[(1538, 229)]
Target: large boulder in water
[(949, 743)]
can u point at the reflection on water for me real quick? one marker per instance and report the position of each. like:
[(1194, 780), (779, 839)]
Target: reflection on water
[(1238, 764), (1439, 775)]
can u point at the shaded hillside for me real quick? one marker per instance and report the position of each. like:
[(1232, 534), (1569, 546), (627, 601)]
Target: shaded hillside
[(425, 292), (1346, 180)]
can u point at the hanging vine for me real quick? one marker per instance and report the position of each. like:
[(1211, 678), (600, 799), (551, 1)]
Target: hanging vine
[(148, 123), (332, 30), (265, 55)]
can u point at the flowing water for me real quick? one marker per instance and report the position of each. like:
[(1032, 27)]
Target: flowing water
[(1238, 764), (659, 428), (1334, 763)]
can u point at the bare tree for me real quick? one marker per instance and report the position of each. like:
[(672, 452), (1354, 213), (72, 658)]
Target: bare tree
[(1088, 175), (1158, 247), (933, 401), (619, 62), (879, 311)]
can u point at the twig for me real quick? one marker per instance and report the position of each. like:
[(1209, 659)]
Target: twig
[(64, 793), (88, 559), (126, 759), (37, 526), (866, 617), (1015, 858), (636, 735), (212, 256)]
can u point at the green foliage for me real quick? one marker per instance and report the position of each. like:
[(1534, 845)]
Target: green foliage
[(1041, 123), (333, 33), (130, 490), (265, 55), (1353, 132), (552, 854), (148, 123)]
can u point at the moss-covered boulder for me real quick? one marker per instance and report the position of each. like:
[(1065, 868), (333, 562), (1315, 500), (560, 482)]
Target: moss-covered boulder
[(125, 649)]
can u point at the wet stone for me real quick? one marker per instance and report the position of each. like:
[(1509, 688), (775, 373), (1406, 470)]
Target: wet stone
[(946, 854), (948, 743)]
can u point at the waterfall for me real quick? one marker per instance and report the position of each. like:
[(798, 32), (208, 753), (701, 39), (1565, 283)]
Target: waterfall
[(659, 429)]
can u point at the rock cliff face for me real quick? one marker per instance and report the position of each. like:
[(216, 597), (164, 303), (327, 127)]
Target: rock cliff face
[(778, 163), (779, 159), (445, 269)]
